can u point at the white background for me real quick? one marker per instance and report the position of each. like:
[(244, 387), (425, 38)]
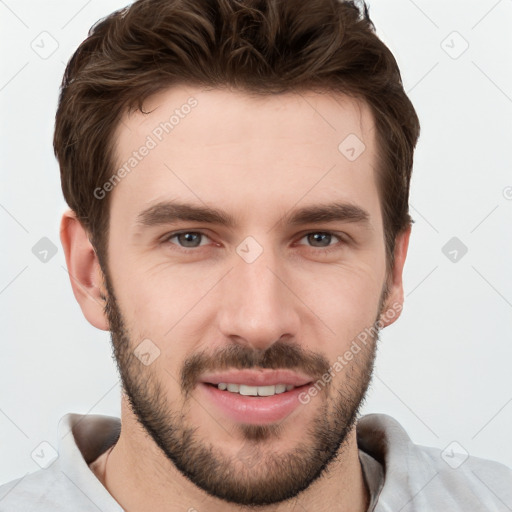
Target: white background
[(444, 370)]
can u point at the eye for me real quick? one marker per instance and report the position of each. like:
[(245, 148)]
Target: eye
[(321, 239), (187, 239)]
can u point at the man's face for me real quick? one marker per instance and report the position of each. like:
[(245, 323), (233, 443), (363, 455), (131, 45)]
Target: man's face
[(273, 297)]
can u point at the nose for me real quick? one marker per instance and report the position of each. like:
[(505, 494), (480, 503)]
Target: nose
[(258, 307)]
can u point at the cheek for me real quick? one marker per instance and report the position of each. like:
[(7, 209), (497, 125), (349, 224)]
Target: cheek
[(166, 301), (346, 300), (176, 305)]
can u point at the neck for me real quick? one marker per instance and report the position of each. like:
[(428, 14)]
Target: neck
[(141, 478)]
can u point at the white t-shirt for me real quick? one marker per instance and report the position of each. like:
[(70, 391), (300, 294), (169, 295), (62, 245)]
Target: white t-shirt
[(401, 476)]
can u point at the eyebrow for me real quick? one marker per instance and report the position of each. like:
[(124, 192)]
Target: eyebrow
[(344, 212), (167, 212)]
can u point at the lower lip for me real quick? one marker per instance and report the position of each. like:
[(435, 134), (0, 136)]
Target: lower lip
[(256, 410)]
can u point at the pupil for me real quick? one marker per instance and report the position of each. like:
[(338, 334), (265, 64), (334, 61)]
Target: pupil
[(189, 239), (320, 237)]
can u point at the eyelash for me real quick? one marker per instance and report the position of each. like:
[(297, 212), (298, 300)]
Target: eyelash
[(326, 249)]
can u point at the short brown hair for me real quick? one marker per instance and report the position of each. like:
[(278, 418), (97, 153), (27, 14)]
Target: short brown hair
[(255, 46)]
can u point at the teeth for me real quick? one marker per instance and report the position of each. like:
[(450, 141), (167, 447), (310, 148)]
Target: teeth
[(246, 390), (266, 390)]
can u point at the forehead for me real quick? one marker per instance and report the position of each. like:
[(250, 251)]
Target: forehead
[(221, 145)]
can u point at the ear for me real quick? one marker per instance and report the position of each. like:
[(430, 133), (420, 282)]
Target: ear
[(395, 300), (84, 270)]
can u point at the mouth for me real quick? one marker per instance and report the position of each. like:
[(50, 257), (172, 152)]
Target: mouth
[(255, 397), (248, 390)]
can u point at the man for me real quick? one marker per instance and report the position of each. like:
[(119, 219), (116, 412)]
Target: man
[(238, 177)]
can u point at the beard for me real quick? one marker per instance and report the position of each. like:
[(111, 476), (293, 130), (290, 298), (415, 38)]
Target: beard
[(257, 475)]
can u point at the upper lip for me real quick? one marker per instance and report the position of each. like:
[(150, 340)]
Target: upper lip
[(258, 377)]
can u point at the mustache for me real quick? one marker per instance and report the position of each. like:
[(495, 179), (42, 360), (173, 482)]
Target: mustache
[(280, 355)]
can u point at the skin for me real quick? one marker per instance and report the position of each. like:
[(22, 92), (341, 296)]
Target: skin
[(257, 159)]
